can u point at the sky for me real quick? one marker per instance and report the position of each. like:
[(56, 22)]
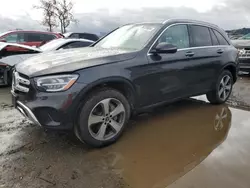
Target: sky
[(105, 15)]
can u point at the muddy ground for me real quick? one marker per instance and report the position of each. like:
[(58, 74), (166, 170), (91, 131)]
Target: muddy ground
[(187, 144)]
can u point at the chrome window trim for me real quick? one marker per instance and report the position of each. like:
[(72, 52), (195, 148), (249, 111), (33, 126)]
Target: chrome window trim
[(200, 47)]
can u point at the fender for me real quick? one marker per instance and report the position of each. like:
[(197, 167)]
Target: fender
[(105, 81), (86, 90)]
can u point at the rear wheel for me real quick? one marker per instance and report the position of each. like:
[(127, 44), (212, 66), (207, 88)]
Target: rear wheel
[(222, 90), (103, 118)]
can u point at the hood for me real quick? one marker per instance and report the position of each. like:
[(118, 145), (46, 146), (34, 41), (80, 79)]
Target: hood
[(15, 59), (5, 44), (241, 43), (63, 61)]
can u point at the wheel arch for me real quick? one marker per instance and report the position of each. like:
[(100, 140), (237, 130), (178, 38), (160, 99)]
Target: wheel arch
[(121, 84), (232, 68)]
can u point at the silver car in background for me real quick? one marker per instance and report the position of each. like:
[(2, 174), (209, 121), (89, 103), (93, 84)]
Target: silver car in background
[(243, 46), (8, 62)]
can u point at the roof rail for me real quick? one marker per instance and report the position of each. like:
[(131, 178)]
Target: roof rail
[(189, 20)]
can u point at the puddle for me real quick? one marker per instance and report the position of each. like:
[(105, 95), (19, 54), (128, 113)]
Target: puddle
[(161, 147), (228, 166)]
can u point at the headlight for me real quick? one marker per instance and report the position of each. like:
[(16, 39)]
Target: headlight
[(55, 83)]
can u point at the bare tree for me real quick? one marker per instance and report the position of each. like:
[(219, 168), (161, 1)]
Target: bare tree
[(63, 10), (49, 13)]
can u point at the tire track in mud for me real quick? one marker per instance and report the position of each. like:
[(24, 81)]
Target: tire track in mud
[(11, 124)]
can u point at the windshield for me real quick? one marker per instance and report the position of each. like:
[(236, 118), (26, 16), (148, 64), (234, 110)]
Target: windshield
[(52, 45), (132, 37), (245, 37)]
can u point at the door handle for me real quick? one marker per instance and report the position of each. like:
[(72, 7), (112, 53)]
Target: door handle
[(189, 54), (220, 51)]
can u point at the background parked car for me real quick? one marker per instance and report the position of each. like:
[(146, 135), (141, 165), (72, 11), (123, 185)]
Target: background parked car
[(7, 63), (29, 38), (243, 46), (89, 36)]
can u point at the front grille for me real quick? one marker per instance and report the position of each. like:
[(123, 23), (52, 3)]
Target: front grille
[(244, 53), (19, 83)]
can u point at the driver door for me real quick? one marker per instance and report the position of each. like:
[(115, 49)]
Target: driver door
[(173, 72)]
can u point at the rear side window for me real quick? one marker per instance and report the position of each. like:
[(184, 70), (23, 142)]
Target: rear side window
[(88, 36), (176, 35), (200, 36), (32, 37), (76, 45), (221, 39), (214, 38), (47, 37), (74, 35)]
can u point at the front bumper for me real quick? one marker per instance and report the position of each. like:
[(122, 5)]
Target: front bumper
[(26, 112), (49, 110), (244, 64)]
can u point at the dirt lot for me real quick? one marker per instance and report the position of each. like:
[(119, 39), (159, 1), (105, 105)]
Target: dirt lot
[(187, 144)]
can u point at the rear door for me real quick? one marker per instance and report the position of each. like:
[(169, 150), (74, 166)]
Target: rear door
[(222, 50), (32, 39), (205, 47)]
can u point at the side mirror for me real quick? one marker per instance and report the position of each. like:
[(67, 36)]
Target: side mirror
[(2, 40), (164, 47)]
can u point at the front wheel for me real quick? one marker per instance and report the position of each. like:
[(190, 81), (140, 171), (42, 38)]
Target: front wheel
[(102, 118), (222, 89)]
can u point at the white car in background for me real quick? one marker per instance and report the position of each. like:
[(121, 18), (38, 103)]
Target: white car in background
[(7, 62)]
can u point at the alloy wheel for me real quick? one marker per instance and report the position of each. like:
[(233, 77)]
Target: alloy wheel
[(225, 87), (106, 119)]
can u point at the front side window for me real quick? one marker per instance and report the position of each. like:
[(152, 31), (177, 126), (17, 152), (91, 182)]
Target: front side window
[(11, 38), (176, 35), (133, 37), (200, 36)]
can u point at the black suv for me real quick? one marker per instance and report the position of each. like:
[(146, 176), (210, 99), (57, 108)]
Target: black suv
[(94, 90)]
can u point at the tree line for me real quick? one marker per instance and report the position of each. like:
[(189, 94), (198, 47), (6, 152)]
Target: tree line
[(56, 13)]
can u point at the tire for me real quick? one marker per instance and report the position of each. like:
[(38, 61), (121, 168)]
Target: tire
[(94, 106), (214, 96)]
